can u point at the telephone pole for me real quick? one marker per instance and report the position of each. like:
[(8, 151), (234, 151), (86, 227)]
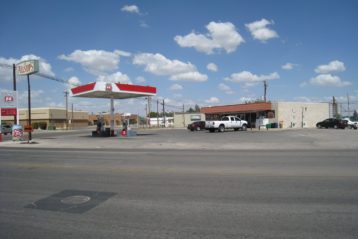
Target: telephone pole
[(265, 90), (66, 99), (149, 108), (183, 115), (163, 114), (157, 113), (349, 114)]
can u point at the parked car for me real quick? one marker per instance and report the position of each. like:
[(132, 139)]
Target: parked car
[(6, 129), (197, 125), (351, 124), (332, 123), (226, 122)]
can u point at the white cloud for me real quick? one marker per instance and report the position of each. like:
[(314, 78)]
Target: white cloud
[(246, 99), (226, 89), (189, 76), (176, 87), (288, 66), (250, 79), (177, 70), (37, 98), (303, 84), (329, 80), (140, 79), (74, 81), (260, 31), (333, 66), (96, 62), (117, 77), (212, 67), (130, 9), (220, 36), (212, 100)]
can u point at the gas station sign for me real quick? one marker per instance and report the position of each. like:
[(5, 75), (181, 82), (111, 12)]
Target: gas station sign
[(27, 67), (8, 103)]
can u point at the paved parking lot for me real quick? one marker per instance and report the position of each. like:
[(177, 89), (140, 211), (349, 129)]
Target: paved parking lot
[(184, 139)]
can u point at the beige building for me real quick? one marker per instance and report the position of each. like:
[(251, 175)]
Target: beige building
[(181, 120), (51, 118), (299, 114), (277, 114)]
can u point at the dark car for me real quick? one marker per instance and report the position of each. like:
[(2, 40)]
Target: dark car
[(6, 129), (197, 125), (332, 123)]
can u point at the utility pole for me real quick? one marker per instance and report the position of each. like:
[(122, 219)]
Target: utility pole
[(71, 116), (149, 106), (146, 115), (349, 114), (183, 116), (163, 114), (66, 100), (157, 113), (265, 90)]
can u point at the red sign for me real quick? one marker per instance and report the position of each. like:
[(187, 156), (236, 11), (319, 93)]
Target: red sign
[(8, 111), (109, 87), (8, 98)]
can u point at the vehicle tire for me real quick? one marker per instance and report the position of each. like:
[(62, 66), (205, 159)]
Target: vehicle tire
[(244, 127), (221, 128), (198, 128), (236, 129), (350, 126), (336, 126), (211, 130)]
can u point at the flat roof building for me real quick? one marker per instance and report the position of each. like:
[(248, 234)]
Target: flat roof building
[(51, 118), (281, 114)]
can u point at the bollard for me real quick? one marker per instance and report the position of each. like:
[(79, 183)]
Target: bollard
[(0, 137)]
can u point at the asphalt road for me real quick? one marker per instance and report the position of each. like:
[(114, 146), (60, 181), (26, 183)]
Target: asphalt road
[(178, 194)]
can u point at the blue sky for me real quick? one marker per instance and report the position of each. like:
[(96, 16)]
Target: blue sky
[(194, 52)]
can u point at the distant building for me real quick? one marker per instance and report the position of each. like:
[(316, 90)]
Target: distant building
[(181, 120), (159, 122), (51, 118)]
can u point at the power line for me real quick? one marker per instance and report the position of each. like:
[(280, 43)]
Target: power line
[(43, 75)]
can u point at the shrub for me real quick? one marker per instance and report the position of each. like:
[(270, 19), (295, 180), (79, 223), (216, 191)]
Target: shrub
[(35, 125), (42, 125)]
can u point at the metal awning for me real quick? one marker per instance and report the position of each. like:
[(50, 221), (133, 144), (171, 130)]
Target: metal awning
[(112, 90)]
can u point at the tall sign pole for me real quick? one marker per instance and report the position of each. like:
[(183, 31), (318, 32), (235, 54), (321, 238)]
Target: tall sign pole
[(16, 120), (27, 68), (29, 106)]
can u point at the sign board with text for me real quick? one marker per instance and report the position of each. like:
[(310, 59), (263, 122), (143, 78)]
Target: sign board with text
[(27, 67), (8, 103)]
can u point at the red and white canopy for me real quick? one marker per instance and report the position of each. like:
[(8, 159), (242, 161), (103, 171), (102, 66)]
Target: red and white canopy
[(112, 90)]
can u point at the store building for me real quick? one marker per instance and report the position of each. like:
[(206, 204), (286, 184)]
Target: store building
[(51, 118), (181, 120), (280, 114)]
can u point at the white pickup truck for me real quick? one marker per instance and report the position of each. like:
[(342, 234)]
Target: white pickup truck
[(226, 122)]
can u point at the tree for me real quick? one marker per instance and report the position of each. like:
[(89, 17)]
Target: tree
[(355, 116), (190, 110), (197, 108)]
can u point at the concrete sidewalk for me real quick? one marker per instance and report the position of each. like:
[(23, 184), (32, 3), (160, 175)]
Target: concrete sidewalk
[(182, 139)]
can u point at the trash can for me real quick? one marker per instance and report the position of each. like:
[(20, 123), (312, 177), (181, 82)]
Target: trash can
[(17, 133)]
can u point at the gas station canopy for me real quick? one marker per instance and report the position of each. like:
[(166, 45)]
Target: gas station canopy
[(112, 90)]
